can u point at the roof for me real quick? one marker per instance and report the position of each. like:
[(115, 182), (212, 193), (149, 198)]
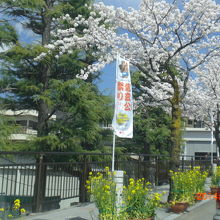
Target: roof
[(23, 112)]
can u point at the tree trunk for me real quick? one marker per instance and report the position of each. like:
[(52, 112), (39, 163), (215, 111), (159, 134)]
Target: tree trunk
[(43, 111), (217, 134), (43, 108), (176, 134)]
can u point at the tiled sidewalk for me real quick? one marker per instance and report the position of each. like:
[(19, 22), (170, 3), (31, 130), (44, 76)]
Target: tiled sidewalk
[(88, 211), (204, 210), (83, 211)]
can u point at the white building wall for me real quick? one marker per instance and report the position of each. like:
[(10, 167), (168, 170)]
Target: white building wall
[(197, 140)]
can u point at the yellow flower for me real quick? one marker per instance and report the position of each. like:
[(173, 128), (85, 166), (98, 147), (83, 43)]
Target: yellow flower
[(17, 201), (10, 216), (157, 196), (90, 173), (22, 210), (17, 205), (173, 203), (2, 209), (133, 191), (106, 187)]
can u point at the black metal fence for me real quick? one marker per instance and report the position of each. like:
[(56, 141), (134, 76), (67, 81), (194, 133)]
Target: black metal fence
[(43, 179)]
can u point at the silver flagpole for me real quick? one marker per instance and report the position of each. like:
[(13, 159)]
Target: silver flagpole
[(212, 138), (113, 145), (113, 153)]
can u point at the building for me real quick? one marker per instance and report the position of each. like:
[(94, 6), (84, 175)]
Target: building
[(197, 140), (196, 137), (27, 120)]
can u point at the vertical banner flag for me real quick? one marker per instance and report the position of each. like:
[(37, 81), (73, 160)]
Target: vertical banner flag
[(123, 117)]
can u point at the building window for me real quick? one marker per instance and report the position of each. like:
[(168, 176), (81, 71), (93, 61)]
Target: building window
[(204, 156), (195, 124), (32, 125), (198, 124), (22, 123), (22, 126), (189, 123)]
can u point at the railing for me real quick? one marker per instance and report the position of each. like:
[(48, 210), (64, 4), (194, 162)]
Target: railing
[(43, 179)]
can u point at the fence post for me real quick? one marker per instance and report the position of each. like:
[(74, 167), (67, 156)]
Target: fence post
[(39, 188), (139, 166), (82, 181), (182, 163), (192, 163), (156, 171)]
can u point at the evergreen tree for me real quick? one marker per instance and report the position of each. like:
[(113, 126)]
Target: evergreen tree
[(7, 33), (8, 127), (47, 85), (151, 132)]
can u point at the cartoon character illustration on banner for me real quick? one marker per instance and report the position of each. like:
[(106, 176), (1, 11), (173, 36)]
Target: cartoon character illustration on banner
[(124, 69)]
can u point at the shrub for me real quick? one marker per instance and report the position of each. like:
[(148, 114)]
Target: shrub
[(102, 190), (187, 183), (137, 199)]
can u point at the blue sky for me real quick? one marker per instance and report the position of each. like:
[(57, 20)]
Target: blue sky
[(122, 3)]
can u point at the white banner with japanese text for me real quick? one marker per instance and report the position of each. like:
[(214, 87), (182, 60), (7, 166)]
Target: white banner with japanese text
[(123, 116)]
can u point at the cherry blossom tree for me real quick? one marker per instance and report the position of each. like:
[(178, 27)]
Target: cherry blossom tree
[(164, 41), (203, 97)]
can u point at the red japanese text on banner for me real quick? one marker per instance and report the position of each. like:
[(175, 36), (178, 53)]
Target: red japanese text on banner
[(123, 116)]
